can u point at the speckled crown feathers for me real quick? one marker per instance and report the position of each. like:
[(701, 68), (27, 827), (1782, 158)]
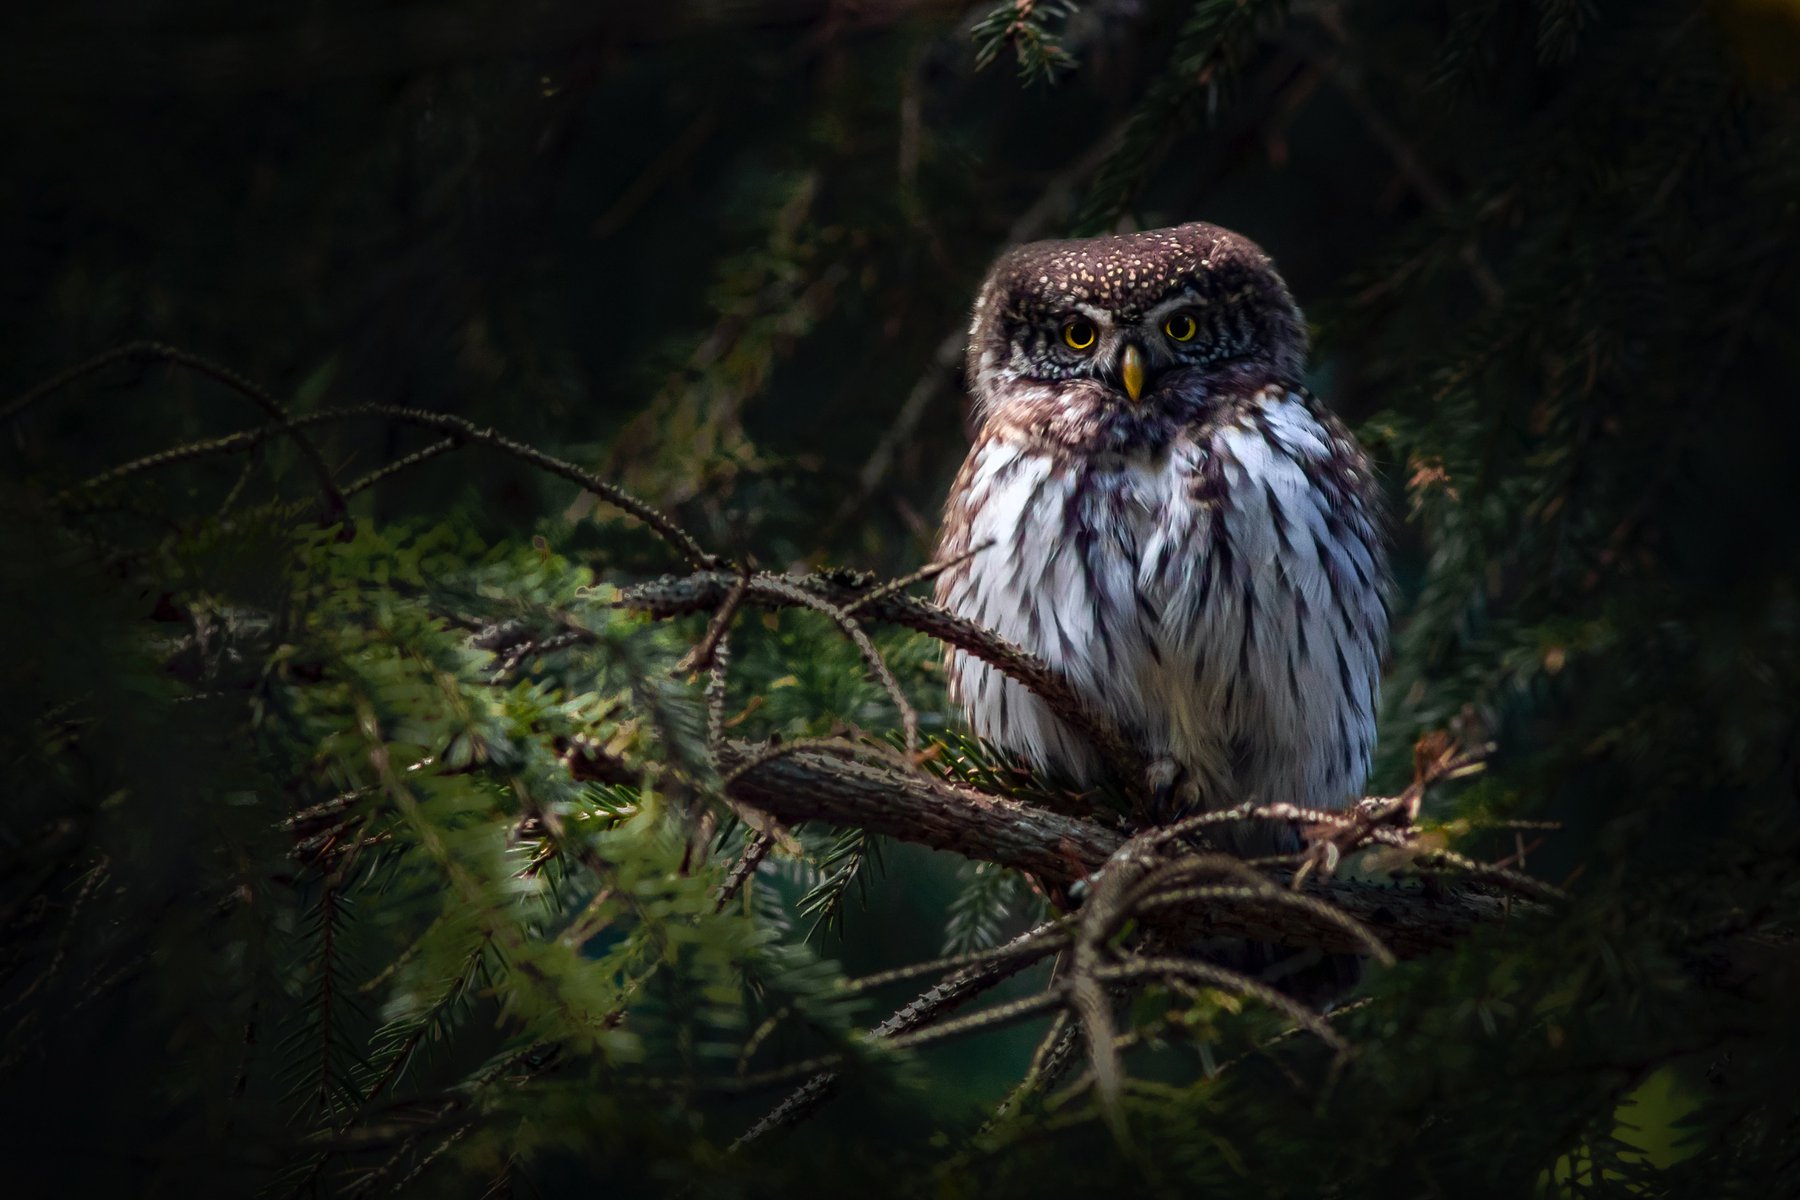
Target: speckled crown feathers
[(1129, 273)]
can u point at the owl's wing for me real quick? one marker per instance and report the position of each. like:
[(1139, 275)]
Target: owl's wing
[(957, 530)]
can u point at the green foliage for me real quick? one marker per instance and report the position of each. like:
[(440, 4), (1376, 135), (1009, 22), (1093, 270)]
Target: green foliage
[(459, 909), (383, 855), (841, 869), (992, 899), (1025, 27), (1210, 49)]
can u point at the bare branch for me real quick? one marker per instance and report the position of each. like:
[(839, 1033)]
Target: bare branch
[(1229, 981), (460, 428), (930, 571), (425, 454), (138, 352), (756, 848)]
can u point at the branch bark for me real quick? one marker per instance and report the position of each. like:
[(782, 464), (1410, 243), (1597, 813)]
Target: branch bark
[(1061, 850)]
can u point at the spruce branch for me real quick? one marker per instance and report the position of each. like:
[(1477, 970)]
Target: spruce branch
[(705, 591), (1061, 851), (781, 589), (1024, 25), (949, 994)]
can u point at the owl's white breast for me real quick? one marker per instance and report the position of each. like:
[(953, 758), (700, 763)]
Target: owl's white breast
[(1212, 596)]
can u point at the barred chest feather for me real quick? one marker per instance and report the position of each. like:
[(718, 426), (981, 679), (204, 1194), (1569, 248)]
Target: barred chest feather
[(1219, 594)]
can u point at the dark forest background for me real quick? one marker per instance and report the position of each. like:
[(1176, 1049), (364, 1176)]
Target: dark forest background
[(360, 835)]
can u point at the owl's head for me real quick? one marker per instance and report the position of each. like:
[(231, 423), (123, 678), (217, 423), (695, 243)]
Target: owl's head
[(1131, 325)]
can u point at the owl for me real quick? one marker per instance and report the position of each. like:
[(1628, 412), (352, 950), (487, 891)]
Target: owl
[(1171, 519)]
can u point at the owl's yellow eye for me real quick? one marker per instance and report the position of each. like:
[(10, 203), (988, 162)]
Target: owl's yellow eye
[(1181, 326), (1079, 333)]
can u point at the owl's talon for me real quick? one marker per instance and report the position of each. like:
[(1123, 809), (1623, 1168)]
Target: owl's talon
[(1163, 788), (1321, 855), (1161, 774)]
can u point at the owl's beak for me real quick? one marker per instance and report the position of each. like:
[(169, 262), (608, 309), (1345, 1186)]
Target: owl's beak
[(1131, 371)]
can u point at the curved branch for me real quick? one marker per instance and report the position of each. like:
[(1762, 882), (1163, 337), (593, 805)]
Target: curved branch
[(460, 428), (157, 352), (787, 590), (704, 591)]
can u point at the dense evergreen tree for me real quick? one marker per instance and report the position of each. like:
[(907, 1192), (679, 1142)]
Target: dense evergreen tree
[(399, 801)]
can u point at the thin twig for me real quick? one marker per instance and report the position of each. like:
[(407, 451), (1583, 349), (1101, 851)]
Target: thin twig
[(1022, 951), (1230, 981), (702, 591), (951, 992), (157, 352), (786, 589), (462, 429), (1045, 939), (931, 571), (1051, 1057), (424, 454), (756, 848), (987, 1018), (1515, 880), (717, 681), (700, 658)]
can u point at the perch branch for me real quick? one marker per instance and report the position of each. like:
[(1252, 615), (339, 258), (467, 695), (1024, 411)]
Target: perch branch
[(1061, 851)]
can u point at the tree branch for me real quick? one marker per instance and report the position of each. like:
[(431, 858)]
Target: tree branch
[(705, 591), (1061, 851)]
